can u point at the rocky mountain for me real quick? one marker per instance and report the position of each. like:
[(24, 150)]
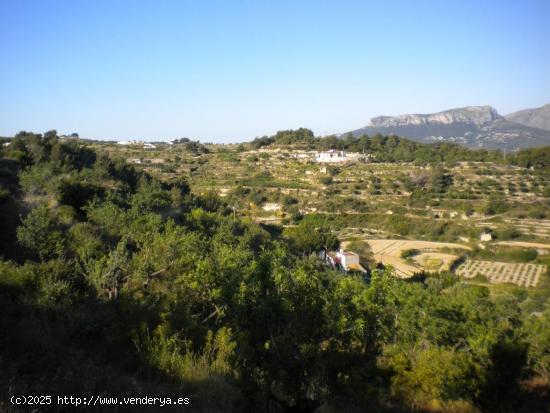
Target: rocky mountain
[(536, 118), (472, 126)]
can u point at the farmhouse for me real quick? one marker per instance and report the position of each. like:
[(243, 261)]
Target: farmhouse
[(271, 206), (486, 236), (344, 260), (331, 156), (132, 142), (334, 155)]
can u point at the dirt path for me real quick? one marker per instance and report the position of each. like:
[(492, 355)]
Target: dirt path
[(524, 244)]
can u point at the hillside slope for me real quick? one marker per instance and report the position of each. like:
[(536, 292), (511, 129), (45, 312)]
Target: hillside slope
[(535, 118)]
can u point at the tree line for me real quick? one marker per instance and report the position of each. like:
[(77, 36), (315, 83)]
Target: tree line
[(397, 149)]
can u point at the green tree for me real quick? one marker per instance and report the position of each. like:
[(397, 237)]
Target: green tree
[(110, 272), (306, 238), (440, 180), (39, 232)]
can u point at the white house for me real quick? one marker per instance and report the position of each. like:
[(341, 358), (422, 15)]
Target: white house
[(332, 155), (485, 237), (344, 260), (271, 206), (149, 146), (132, 142), (349, 260)]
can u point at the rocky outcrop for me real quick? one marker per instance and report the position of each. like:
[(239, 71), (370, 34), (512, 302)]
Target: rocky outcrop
[(470, 115)]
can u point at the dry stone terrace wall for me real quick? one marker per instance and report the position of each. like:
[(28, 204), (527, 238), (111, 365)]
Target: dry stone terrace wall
[(377, 187), (524, 275)]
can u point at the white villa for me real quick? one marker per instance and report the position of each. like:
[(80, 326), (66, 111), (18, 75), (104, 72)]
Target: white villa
[(344, 260), (145, 145), (271, 206), (133, 142), (332, 155)]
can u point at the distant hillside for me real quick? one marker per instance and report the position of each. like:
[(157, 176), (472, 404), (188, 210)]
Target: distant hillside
[(535, 118), (472, 126)]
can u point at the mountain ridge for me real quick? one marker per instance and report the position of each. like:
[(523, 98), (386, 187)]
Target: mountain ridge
[(534, 117), (472, 126)]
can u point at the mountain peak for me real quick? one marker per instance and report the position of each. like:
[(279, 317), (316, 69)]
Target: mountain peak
[(473, 126), (469, 115), (535, 118)]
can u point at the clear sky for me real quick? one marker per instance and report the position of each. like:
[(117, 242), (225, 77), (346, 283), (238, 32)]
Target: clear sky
[(224, 71)]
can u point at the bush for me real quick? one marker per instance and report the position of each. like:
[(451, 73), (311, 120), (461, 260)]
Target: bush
[(494, 206), (522, 255), (537, 212), (409, 253), (507, 233), (39, 232), (77, 194)]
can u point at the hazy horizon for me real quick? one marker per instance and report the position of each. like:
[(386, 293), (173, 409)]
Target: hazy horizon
[(226, 72)]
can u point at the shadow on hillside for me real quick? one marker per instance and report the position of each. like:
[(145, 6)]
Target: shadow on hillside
[(87, 350)]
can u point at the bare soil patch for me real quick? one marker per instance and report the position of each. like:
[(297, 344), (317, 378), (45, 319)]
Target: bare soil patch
[(388, 252)]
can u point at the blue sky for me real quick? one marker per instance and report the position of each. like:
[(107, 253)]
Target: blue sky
[(229, 71)]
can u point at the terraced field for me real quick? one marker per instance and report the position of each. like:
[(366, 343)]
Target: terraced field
[(542, 249), (377, 202), (388, 252), (525, 275)]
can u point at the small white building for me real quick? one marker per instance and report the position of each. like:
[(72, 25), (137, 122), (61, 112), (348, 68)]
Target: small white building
[(271, 206), (486, 237), (349, 260), (131, 142), (332, 155), (149, 146), (344, 260)]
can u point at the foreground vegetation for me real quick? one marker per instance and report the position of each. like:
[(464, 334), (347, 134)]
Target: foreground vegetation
[(150, 288)]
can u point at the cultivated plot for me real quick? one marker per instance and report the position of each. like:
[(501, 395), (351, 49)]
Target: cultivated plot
[(525, 275), (388, 252)]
